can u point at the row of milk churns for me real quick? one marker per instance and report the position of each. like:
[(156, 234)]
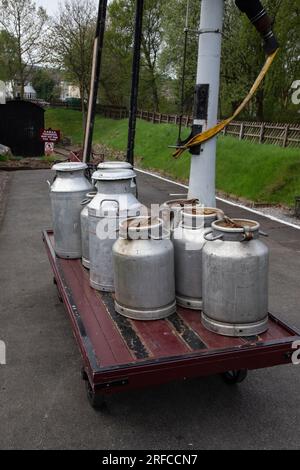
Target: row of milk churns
[(188, 255)]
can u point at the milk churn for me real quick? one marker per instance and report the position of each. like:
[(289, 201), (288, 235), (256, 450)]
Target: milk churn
[(67, 192), (188, 239), (172, 211), (235, 279), (143, 259), (113, 203), (85, 236), (111, 166)]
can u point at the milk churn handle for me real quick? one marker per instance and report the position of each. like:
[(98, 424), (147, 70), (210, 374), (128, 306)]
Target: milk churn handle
[(110, 200), (54, 179), (248, 235), (85, 202), (212, 239)]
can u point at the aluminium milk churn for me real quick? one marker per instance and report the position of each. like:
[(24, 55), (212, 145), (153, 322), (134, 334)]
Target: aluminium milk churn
[(117, 165), (114, 202), (171, 211), (67, 192), (143, 259), (235, 279), (85, 236), (188, 239)]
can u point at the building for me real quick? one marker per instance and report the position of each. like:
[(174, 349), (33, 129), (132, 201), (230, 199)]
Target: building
[(69, 91), (29, 92), (13, 90)]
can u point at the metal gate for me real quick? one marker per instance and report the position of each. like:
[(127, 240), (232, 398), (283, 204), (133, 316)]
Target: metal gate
[(20, 126)]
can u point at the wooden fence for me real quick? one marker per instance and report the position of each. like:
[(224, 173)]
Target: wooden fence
[(284, 135)]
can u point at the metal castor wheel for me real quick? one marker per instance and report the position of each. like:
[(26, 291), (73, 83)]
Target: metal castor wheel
[(233, 377), (58, 293), (95, 400)]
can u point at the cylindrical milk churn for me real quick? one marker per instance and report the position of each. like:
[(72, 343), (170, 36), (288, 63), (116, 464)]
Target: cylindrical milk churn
[(113, 203), (85, 236), (235, 279), (143, 260), (188, 240), (67, 192), (172, 211), (112, 166)]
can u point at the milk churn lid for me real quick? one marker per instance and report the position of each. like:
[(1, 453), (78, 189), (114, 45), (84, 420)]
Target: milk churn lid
[(181, 203), (113, 175), (236, 225), (201, 216), (69, 166), (115, 166), (241, 230), (141, 228)]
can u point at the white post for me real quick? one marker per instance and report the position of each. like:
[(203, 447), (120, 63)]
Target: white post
[(203, 166)]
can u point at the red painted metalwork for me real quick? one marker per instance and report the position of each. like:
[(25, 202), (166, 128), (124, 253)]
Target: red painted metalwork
[(112, 362)]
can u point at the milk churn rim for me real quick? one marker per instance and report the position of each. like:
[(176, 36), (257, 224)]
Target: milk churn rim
[(113, 175), (198, 214), (69, 167), (126, 228), (115, 165), (181, 203), (250, 225)]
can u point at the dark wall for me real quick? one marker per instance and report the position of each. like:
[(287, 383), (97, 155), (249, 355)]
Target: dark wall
[(20, 126)]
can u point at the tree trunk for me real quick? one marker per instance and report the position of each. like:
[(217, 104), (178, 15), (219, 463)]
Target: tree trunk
[(155, 96)]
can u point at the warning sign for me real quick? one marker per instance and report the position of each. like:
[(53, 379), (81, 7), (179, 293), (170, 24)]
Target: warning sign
[(50, 135)]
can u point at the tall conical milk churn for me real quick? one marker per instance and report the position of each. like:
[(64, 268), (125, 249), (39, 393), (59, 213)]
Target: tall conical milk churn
[(113, 203), (235, 279), (117, 165), (188, 239), (144, 270), (67, 192), (85, 235)]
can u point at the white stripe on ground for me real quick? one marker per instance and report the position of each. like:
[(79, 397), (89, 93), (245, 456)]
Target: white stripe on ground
[(254, 211)]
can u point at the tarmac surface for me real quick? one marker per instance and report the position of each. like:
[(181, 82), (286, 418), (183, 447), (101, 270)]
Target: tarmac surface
[(43, 402)]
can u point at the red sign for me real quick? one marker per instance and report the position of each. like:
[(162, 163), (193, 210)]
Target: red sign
[(50, 135)]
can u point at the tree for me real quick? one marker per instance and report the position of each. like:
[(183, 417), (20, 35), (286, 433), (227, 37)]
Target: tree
[(43, 83), (117, 57), (72, 40), (243, 56), (151, 45), (8, 57), (23, 21)]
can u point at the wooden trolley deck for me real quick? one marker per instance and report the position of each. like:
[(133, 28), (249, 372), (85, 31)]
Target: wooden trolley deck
[(121, 354)]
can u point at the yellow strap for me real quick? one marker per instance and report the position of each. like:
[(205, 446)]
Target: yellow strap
[(210, 133)]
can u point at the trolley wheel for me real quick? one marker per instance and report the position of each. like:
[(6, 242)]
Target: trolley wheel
[(58, 293), (96, 401), (233, 377)]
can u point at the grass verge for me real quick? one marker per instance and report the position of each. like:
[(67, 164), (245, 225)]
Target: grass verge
[(260, 173)]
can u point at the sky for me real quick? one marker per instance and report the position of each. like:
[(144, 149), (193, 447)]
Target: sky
[(50, 5)]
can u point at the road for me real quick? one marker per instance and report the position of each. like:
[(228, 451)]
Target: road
[(42, 398)]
